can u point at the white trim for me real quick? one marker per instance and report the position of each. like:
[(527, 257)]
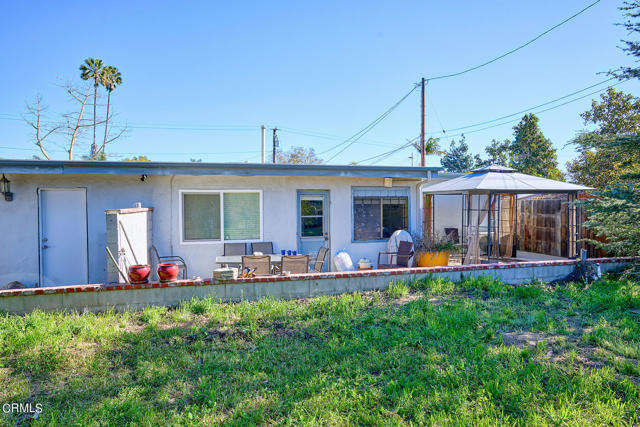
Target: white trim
[(221, 192)]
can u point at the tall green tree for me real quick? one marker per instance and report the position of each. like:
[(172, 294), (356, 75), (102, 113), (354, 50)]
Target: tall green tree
[(600, 163), (531, 152), (498, 152), (458, 158), (92, 69), (615, 212), (631, 13), (111, 78)]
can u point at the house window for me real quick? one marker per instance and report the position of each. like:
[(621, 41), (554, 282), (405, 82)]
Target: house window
[(377, 213), (201, 216), (224, 215), (241, 216)]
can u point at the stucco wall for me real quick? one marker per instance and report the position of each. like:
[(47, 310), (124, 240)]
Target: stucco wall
[(19, 257)]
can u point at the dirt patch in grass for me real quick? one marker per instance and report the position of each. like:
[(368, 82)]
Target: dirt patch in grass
[(215, 334), (522, 339), (280, 330), (406, 299)]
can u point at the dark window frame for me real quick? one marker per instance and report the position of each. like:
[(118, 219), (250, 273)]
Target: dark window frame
[(381, 202)]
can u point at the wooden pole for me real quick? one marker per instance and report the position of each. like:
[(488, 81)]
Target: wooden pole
[(115, 264), (275, 140), (422, 128)]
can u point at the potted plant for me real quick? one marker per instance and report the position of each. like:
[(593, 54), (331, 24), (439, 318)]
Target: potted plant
[(433, 251)]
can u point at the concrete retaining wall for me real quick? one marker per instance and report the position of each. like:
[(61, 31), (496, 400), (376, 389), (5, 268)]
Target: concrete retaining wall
[(122, 297)]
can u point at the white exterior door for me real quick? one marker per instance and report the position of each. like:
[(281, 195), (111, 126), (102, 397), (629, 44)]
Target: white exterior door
[(313, 222), (63, 237)]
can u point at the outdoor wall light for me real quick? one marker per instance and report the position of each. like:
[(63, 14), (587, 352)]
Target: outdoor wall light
[(143, 177), (5, 188)]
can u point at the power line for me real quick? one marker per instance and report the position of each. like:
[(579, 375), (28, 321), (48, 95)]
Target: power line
[(135, 153), (401, 147), (540, 111), (350, 141), (517, 48), (332, 137), (155, 126), (387, 154), (526, 109), (390, 153)]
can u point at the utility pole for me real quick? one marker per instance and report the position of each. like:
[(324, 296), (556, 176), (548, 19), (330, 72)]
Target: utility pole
[(422, 150), (264, 142), (275, 143), (411, 157)]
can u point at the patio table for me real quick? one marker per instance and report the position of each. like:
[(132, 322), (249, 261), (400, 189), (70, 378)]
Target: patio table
[(237, 259)]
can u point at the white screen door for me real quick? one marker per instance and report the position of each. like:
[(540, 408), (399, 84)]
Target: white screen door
[(63, 237), (313, 221)]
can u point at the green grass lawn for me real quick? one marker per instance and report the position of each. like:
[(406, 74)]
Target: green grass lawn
[(429, 351)]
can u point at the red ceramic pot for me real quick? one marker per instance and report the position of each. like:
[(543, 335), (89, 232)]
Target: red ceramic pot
[(168, 271), (139, 273)]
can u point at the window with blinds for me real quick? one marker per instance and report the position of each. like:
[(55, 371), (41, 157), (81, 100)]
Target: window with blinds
[(378, 212), (201, 216), (241, 216), (224, 216)]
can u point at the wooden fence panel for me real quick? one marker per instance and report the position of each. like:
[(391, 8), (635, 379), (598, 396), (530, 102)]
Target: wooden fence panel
[(542, 227)]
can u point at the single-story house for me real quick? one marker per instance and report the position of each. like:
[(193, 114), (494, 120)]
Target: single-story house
[(54, 230)]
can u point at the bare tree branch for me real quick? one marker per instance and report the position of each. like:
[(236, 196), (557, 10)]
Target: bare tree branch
[(76, 128), (100, 150), (36, 111)]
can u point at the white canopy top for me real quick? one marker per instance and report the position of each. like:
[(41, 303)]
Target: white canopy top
[(500, 179)]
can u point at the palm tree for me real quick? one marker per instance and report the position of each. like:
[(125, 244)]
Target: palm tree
[(93, 69), (431, 146), (111, 79)]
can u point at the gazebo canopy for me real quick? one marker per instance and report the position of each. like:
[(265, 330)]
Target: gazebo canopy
[(500, 179)]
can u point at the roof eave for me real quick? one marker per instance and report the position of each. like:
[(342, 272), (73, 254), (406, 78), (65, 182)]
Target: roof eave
[(189, 168)]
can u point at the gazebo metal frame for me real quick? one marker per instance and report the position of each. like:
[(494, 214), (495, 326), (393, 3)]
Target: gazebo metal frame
[(492, 208)]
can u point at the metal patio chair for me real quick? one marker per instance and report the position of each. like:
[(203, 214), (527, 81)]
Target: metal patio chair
[(261, 263), (182, 264), (264, 247), (295, 264), (235, 249), (318, 263), (402, 256)]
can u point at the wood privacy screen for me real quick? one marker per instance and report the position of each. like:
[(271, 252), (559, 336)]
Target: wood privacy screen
[(542, 226)]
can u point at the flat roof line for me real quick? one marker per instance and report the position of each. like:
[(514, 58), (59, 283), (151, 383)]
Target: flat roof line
[(194, 168)]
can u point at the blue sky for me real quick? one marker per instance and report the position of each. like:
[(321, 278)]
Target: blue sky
[(215, 71)]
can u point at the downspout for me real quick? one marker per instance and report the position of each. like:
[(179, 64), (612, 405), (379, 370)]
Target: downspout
[(171, 214), (419, 207)]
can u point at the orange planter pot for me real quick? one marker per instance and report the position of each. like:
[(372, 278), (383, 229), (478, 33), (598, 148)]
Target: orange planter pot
[(432, 259)]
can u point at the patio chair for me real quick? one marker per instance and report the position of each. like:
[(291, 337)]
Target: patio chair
[(295, 264), (261, 263), (235, 249), (402, 256), (182, 265), (321, 258), (264, 247)]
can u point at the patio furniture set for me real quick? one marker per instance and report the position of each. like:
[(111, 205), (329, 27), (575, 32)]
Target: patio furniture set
[(262, 260)]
